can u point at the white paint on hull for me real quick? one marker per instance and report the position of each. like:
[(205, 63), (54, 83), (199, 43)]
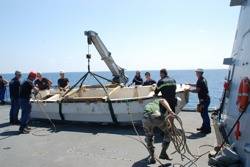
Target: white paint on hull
[(125, 101)]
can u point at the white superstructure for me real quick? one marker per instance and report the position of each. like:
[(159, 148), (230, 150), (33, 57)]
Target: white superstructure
[(239, 67)]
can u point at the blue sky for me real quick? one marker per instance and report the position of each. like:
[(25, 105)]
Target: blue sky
[(48, 35)]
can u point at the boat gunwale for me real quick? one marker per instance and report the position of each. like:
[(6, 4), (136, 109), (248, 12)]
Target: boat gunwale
[(102, 99)]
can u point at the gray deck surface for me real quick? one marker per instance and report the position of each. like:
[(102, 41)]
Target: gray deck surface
[(88, 145)]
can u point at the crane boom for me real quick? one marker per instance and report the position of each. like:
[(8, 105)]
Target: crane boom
[(118, 72)]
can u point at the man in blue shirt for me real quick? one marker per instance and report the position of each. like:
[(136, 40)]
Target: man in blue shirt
[(3, 84), (25, 95), (201, 89), (14, 87)]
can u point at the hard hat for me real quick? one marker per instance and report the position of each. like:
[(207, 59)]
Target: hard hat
[(199, 70), (32, 74)]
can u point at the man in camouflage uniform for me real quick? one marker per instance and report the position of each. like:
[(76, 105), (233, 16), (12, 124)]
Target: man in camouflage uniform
[(155, 114)]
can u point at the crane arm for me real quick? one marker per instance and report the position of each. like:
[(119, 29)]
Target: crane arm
[(118, 72)]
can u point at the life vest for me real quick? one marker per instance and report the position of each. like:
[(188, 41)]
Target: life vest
[(243, 94)]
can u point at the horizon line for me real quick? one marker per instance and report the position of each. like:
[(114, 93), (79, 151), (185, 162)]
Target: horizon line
[(110, 71)]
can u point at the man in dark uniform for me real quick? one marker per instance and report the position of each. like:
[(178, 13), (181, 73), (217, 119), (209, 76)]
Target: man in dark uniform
[(14, 87), (148, 81), (137, 79), (167, 87), (42, 83), (63, 83), (204, 100), (25, 95)]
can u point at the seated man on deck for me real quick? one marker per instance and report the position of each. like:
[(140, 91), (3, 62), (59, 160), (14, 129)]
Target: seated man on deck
[(63, 83), (155, 115)]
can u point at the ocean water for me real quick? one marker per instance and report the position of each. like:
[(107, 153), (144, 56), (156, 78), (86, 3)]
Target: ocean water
[(215, 80)]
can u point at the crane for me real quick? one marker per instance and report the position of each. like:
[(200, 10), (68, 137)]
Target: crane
[(118, 72)]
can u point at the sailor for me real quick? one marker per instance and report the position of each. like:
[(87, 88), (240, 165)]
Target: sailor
[(3, 84), (25, 95), (14, 88), (167, 87), (204, 100), (63, 83), (137, 79), (155, 116), (42, 83), (148, 81)]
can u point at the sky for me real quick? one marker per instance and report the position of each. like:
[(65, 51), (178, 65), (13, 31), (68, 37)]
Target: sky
[(48, 35)]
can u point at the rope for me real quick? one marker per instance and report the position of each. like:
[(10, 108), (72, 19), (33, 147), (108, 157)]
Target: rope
[(177, 137), (41, 106)]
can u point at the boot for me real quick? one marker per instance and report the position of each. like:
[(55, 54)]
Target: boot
[(149, 140), (151, 158), (23, 131), (164, 154)]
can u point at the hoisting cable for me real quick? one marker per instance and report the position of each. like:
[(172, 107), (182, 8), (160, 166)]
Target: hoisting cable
[(111, 109)]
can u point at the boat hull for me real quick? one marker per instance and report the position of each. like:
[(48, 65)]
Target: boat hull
[(99, 109)]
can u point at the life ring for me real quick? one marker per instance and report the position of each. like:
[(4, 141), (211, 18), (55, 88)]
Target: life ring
[(243, 94)]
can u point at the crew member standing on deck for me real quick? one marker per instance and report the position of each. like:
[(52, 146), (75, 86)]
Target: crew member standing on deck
[(149, 80), (167, 87), (14, 87), (63, 83), (155, 116), (3, 84), (25, 95), (137, 79), (42, 83), (204, 100)]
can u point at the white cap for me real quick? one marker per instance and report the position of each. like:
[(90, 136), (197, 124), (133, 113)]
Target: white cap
[(199, 70), (61, 72)]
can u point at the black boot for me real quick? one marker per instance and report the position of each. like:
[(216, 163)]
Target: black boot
[(22, 130), (164, 154), (151, 158)]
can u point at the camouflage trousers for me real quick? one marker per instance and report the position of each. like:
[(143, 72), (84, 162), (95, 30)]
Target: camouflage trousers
[(148, 125)]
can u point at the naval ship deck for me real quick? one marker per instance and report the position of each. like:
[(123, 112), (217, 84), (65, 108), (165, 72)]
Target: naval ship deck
[(87, 145)]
